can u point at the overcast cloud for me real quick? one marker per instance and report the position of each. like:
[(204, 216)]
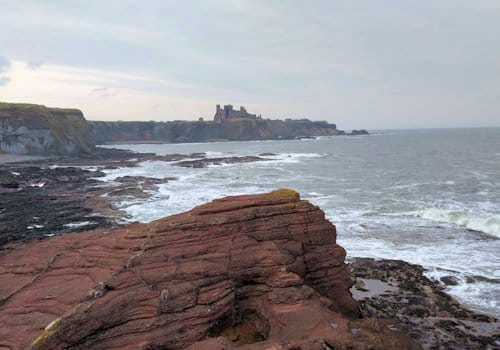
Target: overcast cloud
[(4, 69), (373, 64)]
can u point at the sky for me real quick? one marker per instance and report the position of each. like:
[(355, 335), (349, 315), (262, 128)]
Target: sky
[(361, 64)]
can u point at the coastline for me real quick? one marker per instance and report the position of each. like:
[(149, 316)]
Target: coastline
[(435, 318), (9, 158), (396, 289), (47, 196)]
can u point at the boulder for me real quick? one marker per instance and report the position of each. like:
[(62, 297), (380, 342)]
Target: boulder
[(251, 272)]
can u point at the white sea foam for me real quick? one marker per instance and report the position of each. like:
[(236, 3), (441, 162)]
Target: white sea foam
[(315, 194), (457, 258), (484, 222), (383, 206), (34, 226), (212, 154), (177, 197), (418, 184), (291, 158), (83, 167), (79, 224)]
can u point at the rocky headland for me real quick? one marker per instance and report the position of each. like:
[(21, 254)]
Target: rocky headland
[(228, 124), (254, 272), (238, 129), (248, 272), (30, 129), (39, 130)]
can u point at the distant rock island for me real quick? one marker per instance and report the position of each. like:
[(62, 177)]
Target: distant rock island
[(39, 130)]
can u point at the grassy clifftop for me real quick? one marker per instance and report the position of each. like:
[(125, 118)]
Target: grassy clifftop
[(37, 129)]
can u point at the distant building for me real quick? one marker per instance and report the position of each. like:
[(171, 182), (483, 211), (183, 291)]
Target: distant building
[(229, 113)]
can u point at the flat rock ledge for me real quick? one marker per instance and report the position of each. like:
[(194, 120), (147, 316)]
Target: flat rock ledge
[(245, 272)]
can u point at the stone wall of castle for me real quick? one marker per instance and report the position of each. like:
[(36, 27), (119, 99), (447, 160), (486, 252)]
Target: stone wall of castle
[(229, 113)]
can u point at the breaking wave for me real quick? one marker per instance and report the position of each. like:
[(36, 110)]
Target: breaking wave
[(487, 223)]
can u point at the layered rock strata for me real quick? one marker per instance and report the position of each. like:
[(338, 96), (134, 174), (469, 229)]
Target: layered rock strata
[(236, 129), (250, 272), (39, 130)]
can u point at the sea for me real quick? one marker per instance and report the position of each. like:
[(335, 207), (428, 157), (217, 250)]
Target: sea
[(430, 197)]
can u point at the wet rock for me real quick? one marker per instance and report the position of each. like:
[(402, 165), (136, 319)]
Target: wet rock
[(203, 163), (358, 132), (144, 180), (477, 278), (10, 184), (46, 199), (244, 271), (133, 192), (430, 316), (59, 192), (450, 280)]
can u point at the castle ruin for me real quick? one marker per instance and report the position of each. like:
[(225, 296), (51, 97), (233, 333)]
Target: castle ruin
[(229, 113)]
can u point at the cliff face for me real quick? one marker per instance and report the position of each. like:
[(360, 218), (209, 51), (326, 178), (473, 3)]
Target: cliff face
[(289, 129), (233, 129), (251, 272), (36, 129)]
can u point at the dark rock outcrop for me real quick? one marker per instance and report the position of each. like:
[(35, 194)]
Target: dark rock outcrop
[(37, 202), (249, 272), (53, 196), (398, 290), (204, 162), (358, 132), (39, 130)]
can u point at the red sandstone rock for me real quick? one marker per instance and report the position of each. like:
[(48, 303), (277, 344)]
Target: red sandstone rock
[(249, 272)]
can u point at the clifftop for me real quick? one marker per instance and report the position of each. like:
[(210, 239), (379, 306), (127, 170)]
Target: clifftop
[(37, 129), (15, 109)]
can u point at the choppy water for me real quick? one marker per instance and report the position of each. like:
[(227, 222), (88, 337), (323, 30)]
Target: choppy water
[(430, 197)]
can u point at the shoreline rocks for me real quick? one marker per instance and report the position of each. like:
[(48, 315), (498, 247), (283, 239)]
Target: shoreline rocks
[(358, 132), (250, 272), (205, 162), (41, 202), (429, 315), (392, 295), (51, 196), (270, 261)]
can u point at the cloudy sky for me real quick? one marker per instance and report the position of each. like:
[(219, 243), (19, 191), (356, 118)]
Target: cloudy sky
[(365, 63)]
